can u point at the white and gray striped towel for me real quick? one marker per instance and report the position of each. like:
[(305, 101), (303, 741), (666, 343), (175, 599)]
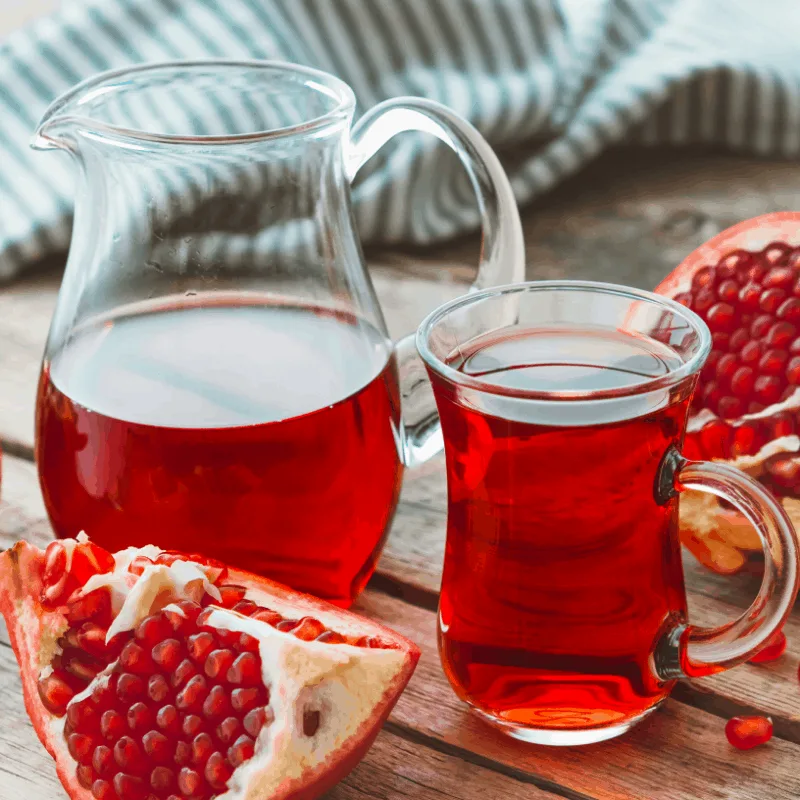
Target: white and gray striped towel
[(553, 81)]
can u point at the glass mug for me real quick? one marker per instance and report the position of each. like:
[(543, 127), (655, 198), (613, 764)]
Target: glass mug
[(563, 405), (218, 376)]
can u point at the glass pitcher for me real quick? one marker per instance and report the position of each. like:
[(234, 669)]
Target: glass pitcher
[(218, 377)]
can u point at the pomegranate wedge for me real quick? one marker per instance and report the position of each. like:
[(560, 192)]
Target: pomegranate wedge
[(153, 675)]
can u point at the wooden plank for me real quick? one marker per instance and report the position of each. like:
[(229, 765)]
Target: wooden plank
[(679, 753)]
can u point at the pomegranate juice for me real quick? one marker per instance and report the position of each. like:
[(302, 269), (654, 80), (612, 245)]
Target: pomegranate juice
[(264, 435), (561, 570)]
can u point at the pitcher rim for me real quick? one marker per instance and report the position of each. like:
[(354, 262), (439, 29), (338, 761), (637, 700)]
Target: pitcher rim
[(331, 85), (686, 370)]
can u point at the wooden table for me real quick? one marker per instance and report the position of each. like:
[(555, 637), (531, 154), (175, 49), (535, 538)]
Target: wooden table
[(628, 218)]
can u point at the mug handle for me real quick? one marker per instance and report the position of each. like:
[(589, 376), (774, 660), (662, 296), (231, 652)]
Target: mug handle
[(688, 651), (502, 257)]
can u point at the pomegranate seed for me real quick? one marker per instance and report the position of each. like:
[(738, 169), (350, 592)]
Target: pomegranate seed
[(74, 664), (721, 316), (55, 694), (128, 754), (192, 725), (703, 300), (369, 641), (199, 645), (772, 650), (310, 722), (190, 783), (703, 278), (288, 625), (103, 790), (720, 341), (85, 775), (231, 595), (246, 607), (184, 672), (255, 720), (781, 334), (728, 291), (241, 750), (684, 298), (183, 753), (773, 361), (228, 730), (268, 616), (140, 717), (167, 654), (243, 700), (245, 670), (783, 470), (749, 295), (745, 733), (747, 439), (775, 254), (92, 639), (81, 747), (726, 366), (755, 408), (767, 389), (782, 424), (112, 725), (130, 787), (167, 719), (730, 407), (216, 705), (95, 605), (742, 381), (739, 338), (151, 630), (162, 780), (139, 564), (715, 437), (778, 277), (157, 747), (103, 761), (218, 662), (789, 310), (83, 716), (202, 748), (332, 637), (157, 688), (793, 371), (130, 688), (308, 629), (54, 577), (247, 643), (761, 325), (184, 621), (191, 697), (217, 771)]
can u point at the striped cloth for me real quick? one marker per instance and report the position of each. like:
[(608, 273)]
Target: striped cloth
[(552, 81)]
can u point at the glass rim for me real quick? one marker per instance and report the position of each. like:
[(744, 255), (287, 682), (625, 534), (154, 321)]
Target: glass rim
[(316, 80), (687, 369)]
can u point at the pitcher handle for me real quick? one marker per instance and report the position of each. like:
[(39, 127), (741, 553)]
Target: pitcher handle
[(687, 651), (502, 249)]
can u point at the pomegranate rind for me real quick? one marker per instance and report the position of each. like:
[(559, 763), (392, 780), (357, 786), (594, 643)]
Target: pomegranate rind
[(33, 631)]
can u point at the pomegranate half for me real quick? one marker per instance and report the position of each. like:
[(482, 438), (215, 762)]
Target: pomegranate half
[(745, 284), (152, 675)]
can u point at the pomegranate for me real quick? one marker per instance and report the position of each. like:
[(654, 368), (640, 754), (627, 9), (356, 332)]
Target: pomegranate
[(745, 284), (152, 675), (745, 733)]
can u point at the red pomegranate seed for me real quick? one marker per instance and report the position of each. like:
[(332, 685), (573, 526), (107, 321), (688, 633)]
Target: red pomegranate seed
[(243, 700), (726, 366), (139, 564), (745, 733), (103, 790), (778, 277), (157, 747), (308, 629), (183, 621), (245, 670), (789, 310), (728, 290), (231, 595), (192, 725), (749, 295), (103, 761), (767, 389), (112, 725), (332, 637), (80, 666), (92, 639), (202, 748), (218, 662), (761, 325), (773, 361), (157, 688), (246, 607), (715, 437), (190, 783), (782, 424), (183, 754), (229, 730), (167, 654), (721, 316), (783, 470), (184, 672), (268, 616), (83, 716), (747, 439), (775, 254), (85, 775), (730, 407), (191, 697), (771, 299), (772, 651), (793, 371), (780, 335), (130, 787), (247, 643), (140, 718), (104, 692), (684, 298), (128, 755), (167, 719), (55, 694), (95, 605), (162, 780), (216, 705), (217, 771), (151, 630), (255, 720), (742, 381), (241, 750), (739, 338), (130, 688), (199, 645), (54, 576), (81, 747), (703, 278), (720, 341)]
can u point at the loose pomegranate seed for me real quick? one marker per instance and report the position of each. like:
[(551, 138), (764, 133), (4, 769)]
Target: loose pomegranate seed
[(183, 754), (780, 335), (789, 310), (720, 341), (739, 338), (761, 325), (745, 733), (726, 366), (772, 651)]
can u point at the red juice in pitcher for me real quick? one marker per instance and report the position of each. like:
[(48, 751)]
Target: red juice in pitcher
[(263, 434), (562, 570)]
